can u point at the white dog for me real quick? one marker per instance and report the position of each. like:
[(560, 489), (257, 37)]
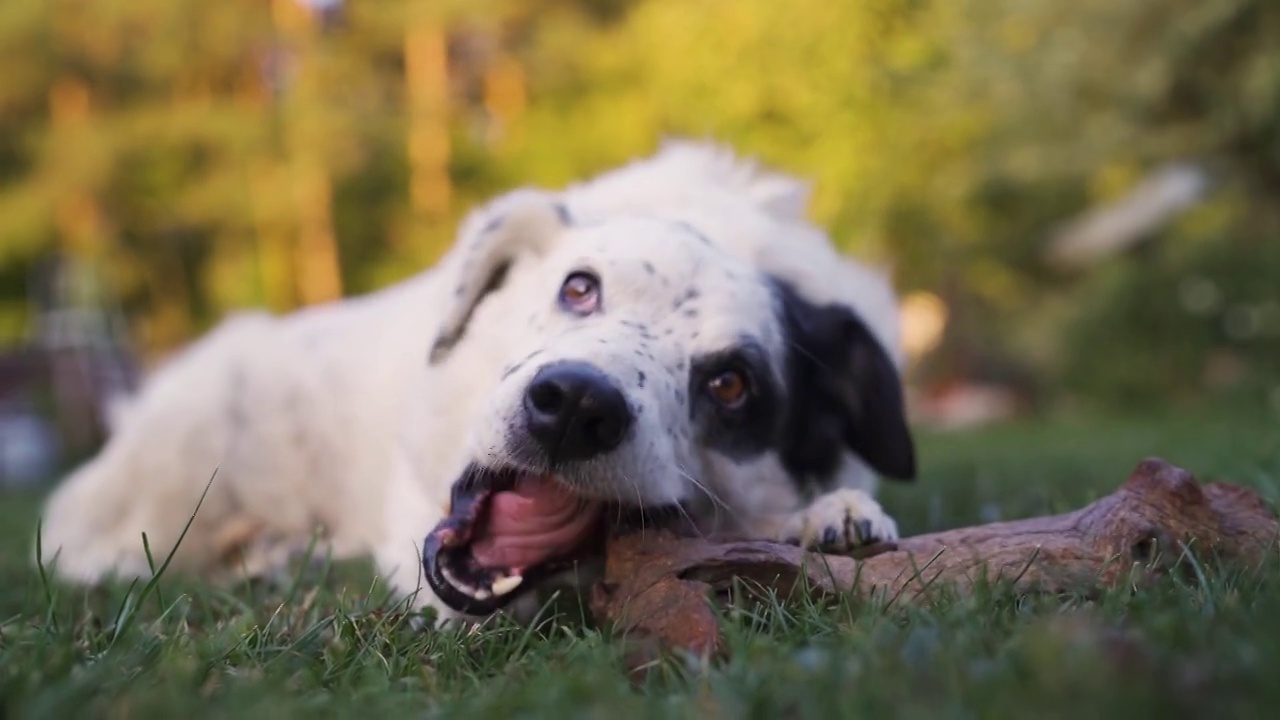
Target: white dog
[(671, 335)]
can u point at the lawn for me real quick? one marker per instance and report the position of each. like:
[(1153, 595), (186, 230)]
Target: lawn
[(331, 645)]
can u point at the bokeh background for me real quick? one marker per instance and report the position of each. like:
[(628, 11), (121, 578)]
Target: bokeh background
[(1080, 201)]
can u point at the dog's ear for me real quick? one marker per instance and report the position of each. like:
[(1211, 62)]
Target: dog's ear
[(845, 390), (521, 224)]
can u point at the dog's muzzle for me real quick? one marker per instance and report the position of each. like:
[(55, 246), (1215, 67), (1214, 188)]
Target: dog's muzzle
[(510, 526)]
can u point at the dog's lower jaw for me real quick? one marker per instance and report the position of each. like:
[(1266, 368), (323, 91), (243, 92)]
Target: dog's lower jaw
[(534, 528), (526, 609)]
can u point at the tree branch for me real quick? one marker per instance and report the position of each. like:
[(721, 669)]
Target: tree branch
[(657, 587)]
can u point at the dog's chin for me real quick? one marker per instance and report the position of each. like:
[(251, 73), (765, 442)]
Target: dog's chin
[(475, 571)]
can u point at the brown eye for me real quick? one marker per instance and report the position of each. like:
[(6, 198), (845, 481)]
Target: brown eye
[(580, 293), (729, 388)]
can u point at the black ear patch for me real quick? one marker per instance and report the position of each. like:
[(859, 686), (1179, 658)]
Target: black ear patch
[(843, 392)]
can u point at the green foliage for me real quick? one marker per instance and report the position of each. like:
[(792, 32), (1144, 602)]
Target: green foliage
[(1208, 306)]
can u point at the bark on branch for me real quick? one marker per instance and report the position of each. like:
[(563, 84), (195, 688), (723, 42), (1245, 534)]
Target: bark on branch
[(657, 587)]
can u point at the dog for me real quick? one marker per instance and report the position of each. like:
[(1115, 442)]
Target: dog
[(671, 337)]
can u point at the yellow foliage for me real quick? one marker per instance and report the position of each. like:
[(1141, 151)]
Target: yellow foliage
[(291, 154)]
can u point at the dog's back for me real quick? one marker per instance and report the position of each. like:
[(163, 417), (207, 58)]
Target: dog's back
[(291, 417)]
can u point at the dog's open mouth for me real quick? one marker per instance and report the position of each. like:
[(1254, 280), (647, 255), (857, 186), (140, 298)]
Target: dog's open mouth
[(506, 530)]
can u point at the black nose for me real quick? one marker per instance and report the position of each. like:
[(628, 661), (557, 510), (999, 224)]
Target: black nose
[(575, 412)]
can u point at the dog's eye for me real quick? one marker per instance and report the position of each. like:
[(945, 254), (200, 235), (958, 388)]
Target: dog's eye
[(729, 388), (580, 293)]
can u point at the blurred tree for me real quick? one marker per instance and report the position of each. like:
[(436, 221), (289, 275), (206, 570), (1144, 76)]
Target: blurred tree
[(299, 31), (1086, 101), (212, 156)]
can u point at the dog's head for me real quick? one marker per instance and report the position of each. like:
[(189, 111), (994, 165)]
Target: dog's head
[(643, 366)]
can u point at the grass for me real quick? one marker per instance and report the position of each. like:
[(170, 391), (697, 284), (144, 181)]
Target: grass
[(330, 644)]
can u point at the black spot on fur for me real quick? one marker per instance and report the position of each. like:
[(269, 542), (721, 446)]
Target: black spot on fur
[(512, 369), (640, 378), (843, 392), (493, 224), (740, 433), (648, 267), (693, 231), (562, 212), (496, 279), (690, 312), (689, 294)]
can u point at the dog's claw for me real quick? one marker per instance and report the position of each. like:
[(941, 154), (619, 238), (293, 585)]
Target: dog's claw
[(864, 533), (840, 522)]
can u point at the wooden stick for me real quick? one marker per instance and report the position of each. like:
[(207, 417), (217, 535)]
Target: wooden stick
[(657, 587)]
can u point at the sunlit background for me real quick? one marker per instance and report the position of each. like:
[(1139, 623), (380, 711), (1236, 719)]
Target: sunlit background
[(1079, 200)]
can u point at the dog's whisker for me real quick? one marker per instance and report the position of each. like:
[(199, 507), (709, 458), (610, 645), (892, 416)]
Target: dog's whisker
[(639, 501), (717, 503), (692, 525)]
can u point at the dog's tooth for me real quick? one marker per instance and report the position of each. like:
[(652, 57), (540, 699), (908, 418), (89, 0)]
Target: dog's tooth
[(449, 576), (504, 585), (457, 583), (473, 591)]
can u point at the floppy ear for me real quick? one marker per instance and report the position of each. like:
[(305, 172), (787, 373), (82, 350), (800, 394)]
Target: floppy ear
[(521, 224), (845, 389)]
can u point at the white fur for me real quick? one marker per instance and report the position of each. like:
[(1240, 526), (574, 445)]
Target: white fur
[(331, 420)]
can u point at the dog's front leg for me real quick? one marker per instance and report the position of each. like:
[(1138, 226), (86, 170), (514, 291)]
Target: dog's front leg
[(837, 522)]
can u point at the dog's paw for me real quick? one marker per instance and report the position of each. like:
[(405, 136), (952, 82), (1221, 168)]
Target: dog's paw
[(839, 522)]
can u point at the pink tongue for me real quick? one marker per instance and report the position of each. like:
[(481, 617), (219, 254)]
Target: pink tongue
[(533, 523)]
